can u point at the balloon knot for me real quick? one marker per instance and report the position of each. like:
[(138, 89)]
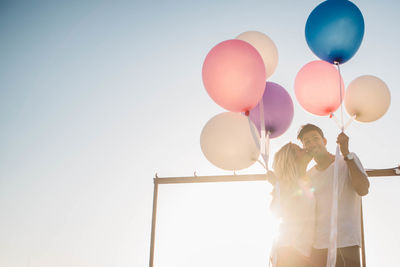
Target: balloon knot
[(247, 113)]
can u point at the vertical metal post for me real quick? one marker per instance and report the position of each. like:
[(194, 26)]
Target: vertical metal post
[(153, 223), (364, 264)]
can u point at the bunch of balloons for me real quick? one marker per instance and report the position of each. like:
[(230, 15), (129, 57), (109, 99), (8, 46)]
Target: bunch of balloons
[(235, 74), (334, 31)]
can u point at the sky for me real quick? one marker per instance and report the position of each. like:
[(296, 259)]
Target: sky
[(97, 97)]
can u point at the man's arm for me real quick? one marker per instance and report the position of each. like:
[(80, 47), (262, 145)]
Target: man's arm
[(359, 179)]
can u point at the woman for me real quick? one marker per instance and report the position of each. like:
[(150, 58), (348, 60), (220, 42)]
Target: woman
[(294, 203)]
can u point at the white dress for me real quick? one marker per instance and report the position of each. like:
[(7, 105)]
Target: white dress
[(297, 213)]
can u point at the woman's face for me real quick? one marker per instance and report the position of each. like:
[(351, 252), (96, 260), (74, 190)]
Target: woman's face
[(302, 157)]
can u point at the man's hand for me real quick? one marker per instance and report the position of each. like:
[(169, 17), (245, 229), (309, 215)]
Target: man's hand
[(343, 142)]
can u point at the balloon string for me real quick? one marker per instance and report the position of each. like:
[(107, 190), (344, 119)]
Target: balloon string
[(253, 131), (266, 154), (349, 121), (264, 142), (341, 96), (259, 145), (262, 126), (331, 258), (262, 164), (332, 116)]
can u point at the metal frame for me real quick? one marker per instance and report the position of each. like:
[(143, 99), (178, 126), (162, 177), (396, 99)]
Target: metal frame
[(243, 178)]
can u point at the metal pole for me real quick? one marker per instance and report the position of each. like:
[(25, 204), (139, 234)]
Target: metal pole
[(153, 223), (364, 263)]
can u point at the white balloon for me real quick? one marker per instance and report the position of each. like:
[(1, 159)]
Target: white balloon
[(227, 141), (367, 97), (265, 46)]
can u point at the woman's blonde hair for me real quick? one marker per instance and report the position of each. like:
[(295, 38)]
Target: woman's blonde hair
[(285, 166)]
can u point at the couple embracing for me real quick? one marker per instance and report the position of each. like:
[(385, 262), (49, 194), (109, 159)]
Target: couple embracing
[(303, 200)]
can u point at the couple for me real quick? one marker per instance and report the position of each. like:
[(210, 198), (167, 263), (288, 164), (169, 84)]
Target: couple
[(304, 201)]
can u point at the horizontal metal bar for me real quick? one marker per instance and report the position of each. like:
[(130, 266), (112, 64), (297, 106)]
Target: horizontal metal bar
[(383, 172), (211, 179), (253, 177)]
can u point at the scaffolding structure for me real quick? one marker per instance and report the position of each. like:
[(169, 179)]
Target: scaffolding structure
[(244, 178)]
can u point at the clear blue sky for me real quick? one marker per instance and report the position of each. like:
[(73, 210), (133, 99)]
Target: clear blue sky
[(98, 96)]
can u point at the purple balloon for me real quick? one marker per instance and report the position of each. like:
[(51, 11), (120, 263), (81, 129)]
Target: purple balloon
[(278, 110)]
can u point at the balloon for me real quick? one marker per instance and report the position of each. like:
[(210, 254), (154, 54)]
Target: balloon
[(265, 46), (334, 30), (278, 110), (227, 142), (317, 87), (367, 97), (234, 75)]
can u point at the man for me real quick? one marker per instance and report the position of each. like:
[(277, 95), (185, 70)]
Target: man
[(353, 183)]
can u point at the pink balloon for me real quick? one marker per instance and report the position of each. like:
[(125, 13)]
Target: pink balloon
[(317, 88), (234, 75)]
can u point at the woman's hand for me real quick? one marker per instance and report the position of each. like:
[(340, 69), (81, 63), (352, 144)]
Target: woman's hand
[(271, 177)]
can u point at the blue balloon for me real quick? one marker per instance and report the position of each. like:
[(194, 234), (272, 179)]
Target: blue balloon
[(334, 30)]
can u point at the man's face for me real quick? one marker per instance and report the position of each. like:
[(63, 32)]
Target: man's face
[(314, 143)]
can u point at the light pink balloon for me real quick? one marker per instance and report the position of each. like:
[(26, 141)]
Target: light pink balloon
[(317, 88), (234, 75)]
